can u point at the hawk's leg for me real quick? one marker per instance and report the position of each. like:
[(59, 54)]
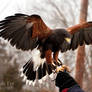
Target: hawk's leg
[(49, 59), (55, 67), (56, 60), (60, 66)]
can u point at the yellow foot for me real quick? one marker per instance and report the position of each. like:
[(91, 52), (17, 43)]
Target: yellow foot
[(62, 68)]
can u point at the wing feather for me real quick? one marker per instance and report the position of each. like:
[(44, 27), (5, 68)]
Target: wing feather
[(75, 41), (80, 34), (22, 30)]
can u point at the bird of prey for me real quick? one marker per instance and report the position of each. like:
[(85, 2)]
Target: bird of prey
[(29, 32)]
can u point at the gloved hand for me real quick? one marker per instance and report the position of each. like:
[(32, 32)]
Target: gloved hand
[(64, 80)]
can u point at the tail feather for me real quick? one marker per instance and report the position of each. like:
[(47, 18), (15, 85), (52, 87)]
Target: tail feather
[(27, 66), (28, 70), (40, 72)]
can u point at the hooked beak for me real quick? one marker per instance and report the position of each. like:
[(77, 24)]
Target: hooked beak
[(68, 40)]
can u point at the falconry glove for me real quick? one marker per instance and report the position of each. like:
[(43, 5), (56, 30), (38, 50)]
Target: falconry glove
[(66, 83)]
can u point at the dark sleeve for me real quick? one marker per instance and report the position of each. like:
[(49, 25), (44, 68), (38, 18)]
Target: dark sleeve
[(75, 88)]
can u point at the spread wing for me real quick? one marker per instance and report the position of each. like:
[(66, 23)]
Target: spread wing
[(80, 34), (23, 31)]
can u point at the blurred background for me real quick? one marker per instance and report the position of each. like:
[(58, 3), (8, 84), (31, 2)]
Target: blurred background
[(56, 14)]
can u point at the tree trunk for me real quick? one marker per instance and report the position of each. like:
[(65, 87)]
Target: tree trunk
[(81, 49)]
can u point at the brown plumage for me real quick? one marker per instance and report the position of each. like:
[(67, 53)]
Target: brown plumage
[(30, 32)]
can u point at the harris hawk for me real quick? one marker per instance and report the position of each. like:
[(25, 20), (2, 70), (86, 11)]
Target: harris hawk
[(31, 33)]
